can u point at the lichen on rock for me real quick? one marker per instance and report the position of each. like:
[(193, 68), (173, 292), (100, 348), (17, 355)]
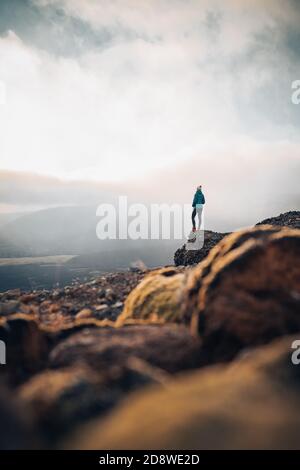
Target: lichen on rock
[(157, 299)]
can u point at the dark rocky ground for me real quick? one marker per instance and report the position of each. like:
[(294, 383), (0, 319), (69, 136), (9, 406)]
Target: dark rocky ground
[(75, 354), (183, 257), (288, 219), (100, 298)]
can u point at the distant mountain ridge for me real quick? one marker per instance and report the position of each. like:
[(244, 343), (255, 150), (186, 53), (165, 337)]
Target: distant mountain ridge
[(72, 230)]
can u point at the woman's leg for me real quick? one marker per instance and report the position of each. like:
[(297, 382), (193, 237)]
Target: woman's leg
[(199, 213), (193, 218)]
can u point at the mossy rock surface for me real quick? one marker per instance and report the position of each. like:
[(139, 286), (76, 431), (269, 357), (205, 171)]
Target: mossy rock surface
[(157, 299)]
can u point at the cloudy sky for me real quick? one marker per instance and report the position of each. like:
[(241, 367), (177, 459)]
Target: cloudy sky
[(151, 98)]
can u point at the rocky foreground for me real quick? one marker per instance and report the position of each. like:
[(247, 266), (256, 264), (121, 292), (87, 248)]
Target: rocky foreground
[(178, 357)]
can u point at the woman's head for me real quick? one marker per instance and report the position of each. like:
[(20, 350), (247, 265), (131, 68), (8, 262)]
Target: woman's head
[(199, 188)]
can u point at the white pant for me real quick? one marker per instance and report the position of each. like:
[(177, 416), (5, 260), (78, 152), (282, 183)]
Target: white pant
[(199, 209)]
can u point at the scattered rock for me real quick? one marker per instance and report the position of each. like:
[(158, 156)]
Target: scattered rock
[(10, 294), (25, 298), (101, 307), (84, 313), (11, 306), (118, 305), (68, 302), (138, 266)]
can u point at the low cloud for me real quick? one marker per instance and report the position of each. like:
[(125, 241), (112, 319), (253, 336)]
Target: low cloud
[(149, 98)]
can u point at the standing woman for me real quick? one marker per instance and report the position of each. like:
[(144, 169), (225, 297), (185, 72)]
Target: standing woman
[(198, 203)]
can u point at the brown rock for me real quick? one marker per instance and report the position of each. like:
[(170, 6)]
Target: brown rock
[(29, 341), (10, 294), (168, 347), (183, 257), (61, 399), (16, 431), (11, 306), (54, 308), (25, 298), (246, 292), (251, 404), (156, 299), (27, 347), (84, 313)]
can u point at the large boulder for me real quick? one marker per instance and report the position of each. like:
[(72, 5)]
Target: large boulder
[(59, 400), (92, 370), (27, 347), (156, 299), (168, 347), (16, 428), (29, 341), (184, 257), (246, 292), (253, 403)]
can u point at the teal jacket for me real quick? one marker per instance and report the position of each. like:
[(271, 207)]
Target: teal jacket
[(198, 198)]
